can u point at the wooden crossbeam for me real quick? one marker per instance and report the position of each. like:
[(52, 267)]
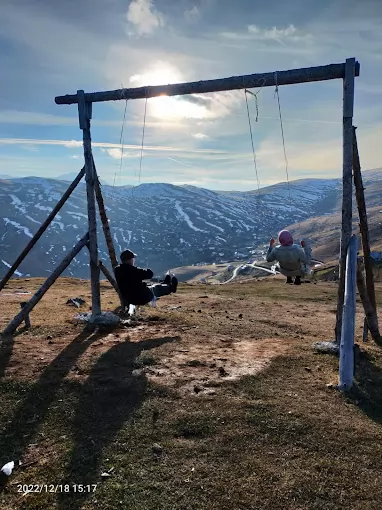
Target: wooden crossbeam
[(293, 76)]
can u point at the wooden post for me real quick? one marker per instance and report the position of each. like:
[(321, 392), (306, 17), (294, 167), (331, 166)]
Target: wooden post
[(27, 319), (42, 229), (346, 370), (84, 115), (15, 323), (370, 313), (347, 185), (363, 224), (365, 332), (105, 222), (113, 282)]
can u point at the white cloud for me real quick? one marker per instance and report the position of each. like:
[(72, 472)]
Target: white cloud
[(200, 136), (193, 106), (70, 145), (281, 35), (192, 14), (75, 157), (105, 145), (116, 153), (145, 18)]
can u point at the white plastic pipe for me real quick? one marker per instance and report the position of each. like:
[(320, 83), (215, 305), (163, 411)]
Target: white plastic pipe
[(346, 369)]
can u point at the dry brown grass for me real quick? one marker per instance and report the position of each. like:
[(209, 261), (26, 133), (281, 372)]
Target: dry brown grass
[(239, 400)]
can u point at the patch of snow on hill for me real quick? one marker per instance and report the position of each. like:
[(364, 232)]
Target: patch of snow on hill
[(43, 207), (17, 273), (18, 204), (18, 226), (186, 217), (31, 219)]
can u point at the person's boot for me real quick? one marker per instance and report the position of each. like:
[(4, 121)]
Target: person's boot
[(167, 279), (297, 280), (174, 284), (289, 279)]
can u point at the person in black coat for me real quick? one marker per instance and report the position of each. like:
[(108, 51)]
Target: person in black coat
[(134, 290)]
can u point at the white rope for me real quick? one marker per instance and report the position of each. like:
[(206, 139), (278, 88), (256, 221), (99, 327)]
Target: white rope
[(250, 132), (246, 91), (284, 147), (142, 143), (143, 136), (121, 143), (282, 135)]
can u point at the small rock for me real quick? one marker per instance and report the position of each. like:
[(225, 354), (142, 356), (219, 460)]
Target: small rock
[(308, 369), (155, 416), (157, 449), (8, 468), (50, 342), (77, 302), (49, 337), (199, 311), (330, 385), (105, 474), (223, 372), (197, 389), (240, 315)]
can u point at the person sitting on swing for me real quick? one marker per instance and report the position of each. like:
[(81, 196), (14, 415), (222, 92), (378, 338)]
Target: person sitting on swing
[(293, 259), (133, 289)]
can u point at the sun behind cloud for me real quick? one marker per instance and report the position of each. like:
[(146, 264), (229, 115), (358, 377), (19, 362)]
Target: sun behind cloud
[(169, 108)]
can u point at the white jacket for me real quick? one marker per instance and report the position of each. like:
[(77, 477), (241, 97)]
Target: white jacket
[(291, 259)]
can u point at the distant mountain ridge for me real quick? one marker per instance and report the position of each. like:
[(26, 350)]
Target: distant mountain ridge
[(167, 225)]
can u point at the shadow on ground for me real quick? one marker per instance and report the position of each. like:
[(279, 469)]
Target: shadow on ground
[(32, 409), (108, 399), (7, 343), (366, 393)]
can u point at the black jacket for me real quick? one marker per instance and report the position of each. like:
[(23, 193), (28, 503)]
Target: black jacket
[(129, 279)]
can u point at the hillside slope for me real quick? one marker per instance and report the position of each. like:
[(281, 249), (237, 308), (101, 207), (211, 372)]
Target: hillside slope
[(168, 226)]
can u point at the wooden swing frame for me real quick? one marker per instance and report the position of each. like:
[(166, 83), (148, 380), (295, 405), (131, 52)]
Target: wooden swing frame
[(346, 71)]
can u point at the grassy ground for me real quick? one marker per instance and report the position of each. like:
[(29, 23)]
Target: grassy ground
[(214, 400)]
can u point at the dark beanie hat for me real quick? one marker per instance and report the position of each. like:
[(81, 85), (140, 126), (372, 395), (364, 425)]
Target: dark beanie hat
[(127, 255)]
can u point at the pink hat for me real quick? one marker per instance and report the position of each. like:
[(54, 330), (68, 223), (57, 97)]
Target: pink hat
[(285, 238)]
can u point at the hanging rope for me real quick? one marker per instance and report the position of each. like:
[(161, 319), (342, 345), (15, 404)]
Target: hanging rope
[(142, 145), (121, 143), (246, 91), (250, 132), (283, 139), (282, 135), (143, 137)]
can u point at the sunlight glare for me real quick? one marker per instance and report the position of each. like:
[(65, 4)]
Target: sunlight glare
[(169, 108)]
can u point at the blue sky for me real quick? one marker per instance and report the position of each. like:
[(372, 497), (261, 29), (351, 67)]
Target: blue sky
[(53, 48)]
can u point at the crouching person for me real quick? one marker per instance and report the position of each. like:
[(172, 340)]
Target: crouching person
[(134, 290), (293, 259)]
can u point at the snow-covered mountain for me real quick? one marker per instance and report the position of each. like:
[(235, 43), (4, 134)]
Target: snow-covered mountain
[(166, 225)]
